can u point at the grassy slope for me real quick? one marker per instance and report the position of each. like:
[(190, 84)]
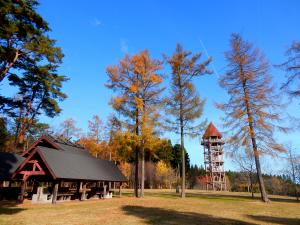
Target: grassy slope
[(158, 207)]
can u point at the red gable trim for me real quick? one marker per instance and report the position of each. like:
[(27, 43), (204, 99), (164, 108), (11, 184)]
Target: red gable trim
[(35, 151), (43, 138)]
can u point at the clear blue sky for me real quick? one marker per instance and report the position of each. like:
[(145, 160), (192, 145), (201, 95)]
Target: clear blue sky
[(94, 34)]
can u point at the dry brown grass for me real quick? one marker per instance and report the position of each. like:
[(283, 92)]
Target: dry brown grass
[(158, 207)]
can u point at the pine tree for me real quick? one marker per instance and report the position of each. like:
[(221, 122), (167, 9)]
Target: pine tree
[(39, 91), (24, 40)]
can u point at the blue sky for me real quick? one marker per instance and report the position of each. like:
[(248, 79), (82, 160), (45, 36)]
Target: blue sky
[(94, 34)]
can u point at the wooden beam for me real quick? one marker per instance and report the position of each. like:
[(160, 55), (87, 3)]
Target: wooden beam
[(54, 193)]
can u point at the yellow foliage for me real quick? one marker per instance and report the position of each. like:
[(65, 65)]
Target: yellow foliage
[(155, 78), (161, 169), (133, 88), (138, 102), (125, 169), (91, 145), (117, 102)]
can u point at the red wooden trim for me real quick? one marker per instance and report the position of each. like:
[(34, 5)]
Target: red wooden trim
[(23, 163), (37, 142), (28, 160)]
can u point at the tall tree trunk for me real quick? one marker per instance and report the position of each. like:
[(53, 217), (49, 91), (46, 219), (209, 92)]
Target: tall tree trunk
[(293, 173), (181, 138), (251, 184), (136, 183), (143, 172), (263, 192), (183, 161), (143, 150)]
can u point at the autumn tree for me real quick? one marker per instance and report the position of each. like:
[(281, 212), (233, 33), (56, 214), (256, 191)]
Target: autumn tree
[(246, 163), (24, 39), (96, 128), (292, 68), (137, 82), (183, 102), (39, 92), (252, 109), (292, 161), (68, 129), (96, 149)]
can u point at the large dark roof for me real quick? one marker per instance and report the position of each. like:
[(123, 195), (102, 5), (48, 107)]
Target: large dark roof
[(9, 162), (73, 163)]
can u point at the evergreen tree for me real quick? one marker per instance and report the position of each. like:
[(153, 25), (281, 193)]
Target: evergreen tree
[(39, 91), (24, 40)]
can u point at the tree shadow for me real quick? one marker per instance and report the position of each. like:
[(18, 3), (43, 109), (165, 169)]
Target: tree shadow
[(9, 208), (278, 220), (220, 196), (154, 215), (241, 197)]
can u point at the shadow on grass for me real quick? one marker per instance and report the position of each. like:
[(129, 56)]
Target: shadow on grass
[(240, 198), (222, 197), (9, 208), (278, 220), (154, 215)]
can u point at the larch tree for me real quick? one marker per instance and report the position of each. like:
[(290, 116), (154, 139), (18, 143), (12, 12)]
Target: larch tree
[(68, 129), (138, 84), (183, 102), (246, 163), (293, 160), (113, 130), (252, 111), (292, 68), (96, 129)]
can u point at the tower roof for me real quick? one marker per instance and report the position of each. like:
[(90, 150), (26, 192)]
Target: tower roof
[(212, 131)]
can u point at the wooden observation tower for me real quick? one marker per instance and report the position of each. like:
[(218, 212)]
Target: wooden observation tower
[(214, 159)]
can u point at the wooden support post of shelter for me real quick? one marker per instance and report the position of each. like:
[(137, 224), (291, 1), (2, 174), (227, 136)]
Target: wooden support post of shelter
[(22, 191), (54, 193), (78, 190), (120, 187), (83, 192), (104, 191)]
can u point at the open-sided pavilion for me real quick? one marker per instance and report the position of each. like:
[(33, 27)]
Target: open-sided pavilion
[(55, 169)]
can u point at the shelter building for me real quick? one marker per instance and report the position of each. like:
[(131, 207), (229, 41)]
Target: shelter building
[(54, 169)]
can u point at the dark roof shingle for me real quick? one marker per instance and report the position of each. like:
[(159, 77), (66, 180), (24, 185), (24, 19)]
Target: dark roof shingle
[(9, 162), (73, 165)]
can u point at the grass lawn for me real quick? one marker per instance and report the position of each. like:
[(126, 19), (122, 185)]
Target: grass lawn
[(158, 207)]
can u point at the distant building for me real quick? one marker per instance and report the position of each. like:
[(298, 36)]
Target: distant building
[(213, 159)]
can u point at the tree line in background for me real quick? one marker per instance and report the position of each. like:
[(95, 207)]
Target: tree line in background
[(147, 102)]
